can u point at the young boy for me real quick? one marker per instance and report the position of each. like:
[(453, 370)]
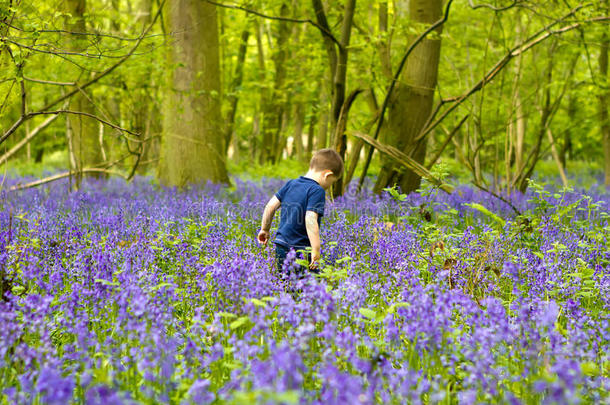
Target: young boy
[(302, 202)]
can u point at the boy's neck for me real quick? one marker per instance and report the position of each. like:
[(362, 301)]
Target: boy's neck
[(316, 176)]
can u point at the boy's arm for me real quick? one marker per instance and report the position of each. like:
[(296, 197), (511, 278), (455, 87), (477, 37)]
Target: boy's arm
[(270, 208), (313, 232)]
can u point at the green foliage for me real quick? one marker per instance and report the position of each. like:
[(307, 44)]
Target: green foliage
[(562, 68)]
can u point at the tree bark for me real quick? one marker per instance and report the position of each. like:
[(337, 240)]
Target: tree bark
[(146, 121), (273, 109), (299, 124), (193, 145), (84, 130), (233, 97), (411, 103), (604, 99)]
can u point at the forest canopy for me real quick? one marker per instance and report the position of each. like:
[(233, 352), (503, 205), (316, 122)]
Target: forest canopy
[(182, 89)]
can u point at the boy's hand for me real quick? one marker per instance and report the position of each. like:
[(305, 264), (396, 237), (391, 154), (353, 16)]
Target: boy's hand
[(263, 237), (315, 258)]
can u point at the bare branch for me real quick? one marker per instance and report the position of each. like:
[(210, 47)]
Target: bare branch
[(444, 145), (499, 197), (61, 52), (95, 117), (29, 79), (63, 176), (494, 8), (92, 34), (323, 30), (28, 138)]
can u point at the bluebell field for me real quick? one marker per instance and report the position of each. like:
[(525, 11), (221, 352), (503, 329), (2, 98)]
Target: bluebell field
[(132, 293)]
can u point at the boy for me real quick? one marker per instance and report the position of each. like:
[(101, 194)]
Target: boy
[(302, 202)]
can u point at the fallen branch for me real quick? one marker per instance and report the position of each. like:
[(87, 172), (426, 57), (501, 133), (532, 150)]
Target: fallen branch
[(404, 160), (63, 176)]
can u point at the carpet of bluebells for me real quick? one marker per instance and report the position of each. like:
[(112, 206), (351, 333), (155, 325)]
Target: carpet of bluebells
[(133, 293)]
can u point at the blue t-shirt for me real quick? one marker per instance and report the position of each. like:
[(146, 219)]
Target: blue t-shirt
[(297, 197)]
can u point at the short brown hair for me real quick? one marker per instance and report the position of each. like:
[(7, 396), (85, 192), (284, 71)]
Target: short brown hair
[(327, 159)]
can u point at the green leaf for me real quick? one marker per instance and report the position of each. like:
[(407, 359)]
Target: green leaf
[(106, 282), (258, 302), (393, 307), (159, 286), (368, 313), (226, 315), (238, 322), (487, 212), (589, 368)]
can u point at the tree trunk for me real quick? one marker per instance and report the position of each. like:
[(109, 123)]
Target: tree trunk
[(84, 130), (273, 110), (311, 130), (143, 117), (604, 99), (322, 137), (357, 145), (340, 74), (233, 97), (566, 146), (299, 124), (193, 145), (412, 98), (262, 101)]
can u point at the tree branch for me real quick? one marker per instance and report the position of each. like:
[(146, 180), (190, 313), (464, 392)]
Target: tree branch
[(93, 80), (540, 36), (29, 79), (404, 160), (27, 139), (323, 30), (444, 145), (494, 8), (63, 176), (92, 34), (95, 117)]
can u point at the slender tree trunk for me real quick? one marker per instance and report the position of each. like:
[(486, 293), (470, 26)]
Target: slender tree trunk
[(358, 144), (562, 173), (604, 99), (311, 131), (263, 100), (193, 144), (235, 85), (84, 130), (273, 110), (384, 45), (412, 98), (299, 124), (322, 139), (566, 146), (144, 118), (340, 75)]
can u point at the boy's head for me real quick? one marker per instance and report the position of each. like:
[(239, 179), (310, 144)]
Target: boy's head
[(328, 166)]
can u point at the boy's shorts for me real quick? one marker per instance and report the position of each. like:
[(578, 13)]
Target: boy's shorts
[(280, 256)]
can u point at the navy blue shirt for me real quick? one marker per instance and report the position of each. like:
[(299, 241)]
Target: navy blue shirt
[(297, 197)]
